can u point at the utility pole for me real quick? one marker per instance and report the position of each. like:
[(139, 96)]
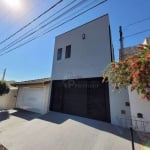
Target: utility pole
[(121, 43), (121, 38), (4, 73)]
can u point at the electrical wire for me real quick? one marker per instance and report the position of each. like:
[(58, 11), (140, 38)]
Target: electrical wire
[(38, 28), (35, 19), (30, 40), (137, 33), (25, 14), (22, 38), (136, 22)]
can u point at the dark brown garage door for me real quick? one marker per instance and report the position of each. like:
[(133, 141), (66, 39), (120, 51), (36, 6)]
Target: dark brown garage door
[(84, 97)]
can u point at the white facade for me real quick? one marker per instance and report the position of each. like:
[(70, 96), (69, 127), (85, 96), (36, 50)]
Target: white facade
[(89, 56), (141, 106), (119, 110), (33, 98), (137, 105), (8, 101)]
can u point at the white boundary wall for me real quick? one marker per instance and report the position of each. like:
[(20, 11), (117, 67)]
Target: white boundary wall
[(8, 101), (142, 106)]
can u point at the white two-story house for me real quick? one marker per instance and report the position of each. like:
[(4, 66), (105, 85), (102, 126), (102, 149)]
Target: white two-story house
[(80, 57)]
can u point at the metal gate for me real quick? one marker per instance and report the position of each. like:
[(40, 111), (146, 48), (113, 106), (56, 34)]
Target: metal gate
[(84, 97)]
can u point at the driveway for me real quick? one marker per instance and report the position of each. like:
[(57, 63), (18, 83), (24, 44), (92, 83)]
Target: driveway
[(57, 131), (10, 119)]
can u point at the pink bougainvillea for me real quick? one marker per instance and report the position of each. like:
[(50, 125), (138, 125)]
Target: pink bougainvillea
[(133, 70)]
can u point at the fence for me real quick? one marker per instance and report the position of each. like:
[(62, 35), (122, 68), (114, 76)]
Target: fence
[(136, 124)]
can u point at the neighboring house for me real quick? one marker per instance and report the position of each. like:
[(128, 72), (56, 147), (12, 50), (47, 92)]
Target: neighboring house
[(140, 109), (133, 50), (80, 57), (129, 51), (33, 95), (8, 101)]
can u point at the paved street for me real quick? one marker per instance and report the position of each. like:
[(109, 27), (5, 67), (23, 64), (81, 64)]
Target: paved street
[(56, 131), (10, 119)]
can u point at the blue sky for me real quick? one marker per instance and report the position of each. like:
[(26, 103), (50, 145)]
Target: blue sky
[(34, 60)]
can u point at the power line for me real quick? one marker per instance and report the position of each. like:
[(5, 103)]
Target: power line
[(136, 22), (35, 19), (137, 33), (32, 31), (24, 14), (83, 12), (46, 32), (24, 37)]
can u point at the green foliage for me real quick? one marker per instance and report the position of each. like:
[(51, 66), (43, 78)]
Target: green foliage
[(4, 88), (133, 70)]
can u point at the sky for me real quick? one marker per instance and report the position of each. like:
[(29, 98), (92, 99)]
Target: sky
[(34, 60)]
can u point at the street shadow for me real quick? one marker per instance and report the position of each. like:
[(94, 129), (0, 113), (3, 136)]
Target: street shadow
[(4, 115), (60, 118), (27, 115)]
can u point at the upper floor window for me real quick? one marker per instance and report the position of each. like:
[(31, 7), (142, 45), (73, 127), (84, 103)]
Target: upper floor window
[(68, 51), (59, 54)]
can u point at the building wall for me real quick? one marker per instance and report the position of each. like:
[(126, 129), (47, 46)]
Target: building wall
[(8, 101), (139, 105), (89, 57), (118, 100), (129, 51), (46, 97)]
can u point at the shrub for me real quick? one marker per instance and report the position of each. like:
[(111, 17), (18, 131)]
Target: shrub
[(4, 88), (133, 70)]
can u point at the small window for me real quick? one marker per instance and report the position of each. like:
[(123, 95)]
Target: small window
[(139, 115), (68, 51), (59, 54), (123, 112), (127, 104), (83, 36)]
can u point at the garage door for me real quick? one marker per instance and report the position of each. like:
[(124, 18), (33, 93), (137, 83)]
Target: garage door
[(31, 99), (84, 97)]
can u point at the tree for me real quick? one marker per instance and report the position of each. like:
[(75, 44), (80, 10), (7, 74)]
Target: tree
[(133, 70), (4, 88)]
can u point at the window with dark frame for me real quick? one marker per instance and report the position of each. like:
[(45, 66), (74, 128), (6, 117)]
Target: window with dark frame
[(68, 51), (59, 54), (123, 112), (139, 115), (127, 104)]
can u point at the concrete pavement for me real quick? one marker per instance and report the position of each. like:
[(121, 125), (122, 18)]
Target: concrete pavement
[(10, 119), (56, 131)]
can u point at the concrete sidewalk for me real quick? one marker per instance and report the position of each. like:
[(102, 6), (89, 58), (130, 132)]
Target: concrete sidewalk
[(56, 131), (10, 119)]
